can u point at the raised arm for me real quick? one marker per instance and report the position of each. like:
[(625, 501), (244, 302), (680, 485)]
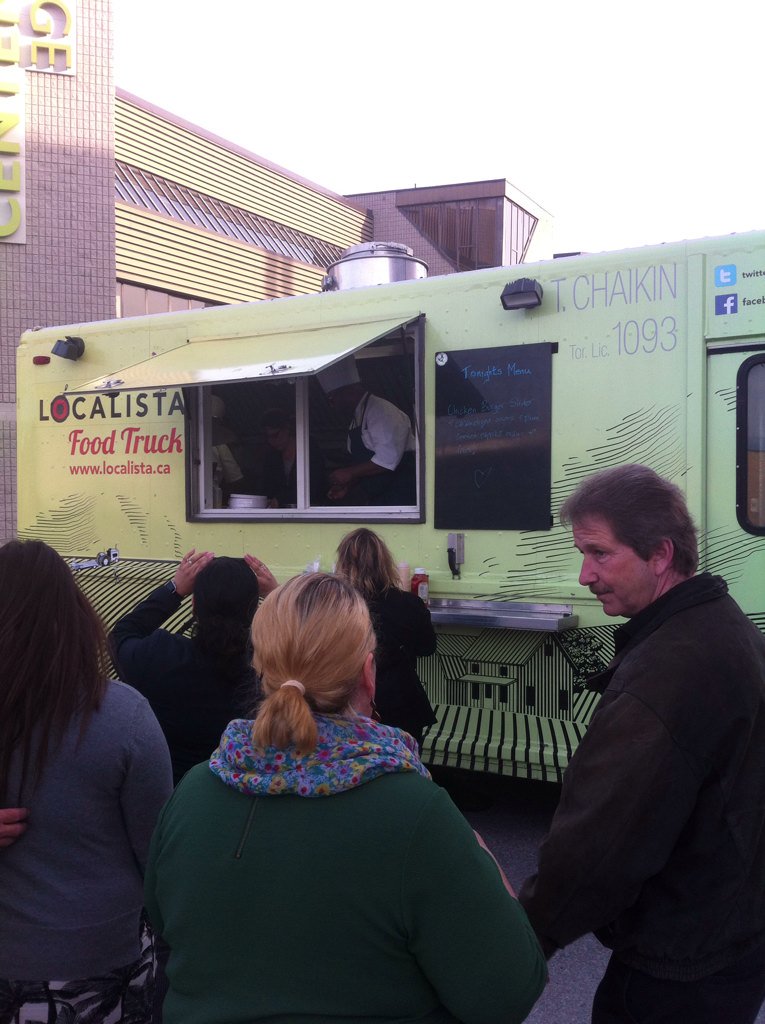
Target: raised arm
[(266, 579), (130, 636)]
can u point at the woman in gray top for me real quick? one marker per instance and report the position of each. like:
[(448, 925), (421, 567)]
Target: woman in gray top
[(87, 759)]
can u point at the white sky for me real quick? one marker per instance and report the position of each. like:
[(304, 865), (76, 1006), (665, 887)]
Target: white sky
[(631, 122)]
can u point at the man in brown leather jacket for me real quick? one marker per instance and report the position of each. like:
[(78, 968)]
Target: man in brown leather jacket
[(658, 843)]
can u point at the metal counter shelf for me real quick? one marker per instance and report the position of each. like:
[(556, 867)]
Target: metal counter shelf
[(551, 618)]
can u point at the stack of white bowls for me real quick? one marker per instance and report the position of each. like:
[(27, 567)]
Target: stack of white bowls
[(248, 501)]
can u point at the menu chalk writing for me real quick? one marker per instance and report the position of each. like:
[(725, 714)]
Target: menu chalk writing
[(493, 437)]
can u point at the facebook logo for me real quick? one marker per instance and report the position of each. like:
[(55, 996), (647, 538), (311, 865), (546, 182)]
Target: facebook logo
[(725, 304), (725, 275)]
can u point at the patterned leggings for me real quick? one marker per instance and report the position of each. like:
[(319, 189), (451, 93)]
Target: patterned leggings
[(123, 996)]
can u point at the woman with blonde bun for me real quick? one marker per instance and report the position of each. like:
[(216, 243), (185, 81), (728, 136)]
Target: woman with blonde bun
[(312, 871)]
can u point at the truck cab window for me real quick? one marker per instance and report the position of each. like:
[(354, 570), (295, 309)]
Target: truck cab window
[(345, 442)]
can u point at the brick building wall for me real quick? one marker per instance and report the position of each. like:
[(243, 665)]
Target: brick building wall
[(64, 271), (497, 225), (392, 226)]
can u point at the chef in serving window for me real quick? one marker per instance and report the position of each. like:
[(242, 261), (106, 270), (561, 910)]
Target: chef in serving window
[(380, 444)]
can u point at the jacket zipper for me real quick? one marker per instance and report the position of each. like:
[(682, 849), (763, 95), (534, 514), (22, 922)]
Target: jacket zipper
[(247, 830)]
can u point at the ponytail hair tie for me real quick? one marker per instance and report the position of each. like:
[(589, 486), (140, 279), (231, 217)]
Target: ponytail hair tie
[(294, 682)]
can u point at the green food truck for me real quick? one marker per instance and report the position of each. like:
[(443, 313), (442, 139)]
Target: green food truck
[(141, 438)]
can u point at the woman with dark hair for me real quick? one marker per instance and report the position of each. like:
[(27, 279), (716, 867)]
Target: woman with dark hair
[(403, 627), (195, 684), (87, 759), (312, 871)]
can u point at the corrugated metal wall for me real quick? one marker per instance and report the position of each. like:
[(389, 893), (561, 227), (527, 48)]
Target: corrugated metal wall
[(162, 253)]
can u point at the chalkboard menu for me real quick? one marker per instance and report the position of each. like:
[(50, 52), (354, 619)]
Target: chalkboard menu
[(493, 409)]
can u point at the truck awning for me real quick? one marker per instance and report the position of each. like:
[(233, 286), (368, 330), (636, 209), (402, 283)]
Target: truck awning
[(202, 361)]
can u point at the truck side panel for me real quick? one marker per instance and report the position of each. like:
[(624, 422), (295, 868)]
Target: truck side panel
[(634, 379)]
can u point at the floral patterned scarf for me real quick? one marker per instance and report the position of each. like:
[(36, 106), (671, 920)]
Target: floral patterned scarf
[(350, 752)]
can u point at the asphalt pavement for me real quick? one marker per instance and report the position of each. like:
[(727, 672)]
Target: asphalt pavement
[(513, 816)]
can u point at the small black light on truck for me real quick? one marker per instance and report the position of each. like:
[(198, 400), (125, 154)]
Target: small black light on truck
[(69, 348), (523, 294)]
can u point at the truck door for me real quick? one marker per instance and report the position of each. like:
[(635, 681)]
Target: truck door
[(733, 538)]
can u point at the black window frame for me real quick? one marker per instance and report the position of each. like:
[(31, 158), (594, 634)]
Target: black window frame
[(744, 415)]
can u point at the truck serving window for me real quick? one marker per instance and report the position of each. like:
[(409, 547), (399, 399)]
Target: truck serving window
[(750, 460), (345, 442)]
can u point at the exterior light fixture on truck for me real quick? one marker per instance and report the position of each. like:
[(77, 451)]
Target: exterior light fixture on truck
[(523, 294)]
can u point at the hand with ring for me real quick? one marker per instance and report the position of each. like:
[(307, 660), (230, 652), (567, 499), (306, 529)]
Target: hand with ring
[(266, 579), (190, 567)]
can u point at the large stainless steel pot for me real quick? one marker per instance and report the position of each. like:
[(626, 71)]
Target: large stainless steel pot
[(374, 263)]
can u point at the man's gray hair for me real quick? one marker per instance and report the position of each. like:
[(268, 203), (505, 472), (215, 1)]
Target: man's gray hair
[(642, 509)]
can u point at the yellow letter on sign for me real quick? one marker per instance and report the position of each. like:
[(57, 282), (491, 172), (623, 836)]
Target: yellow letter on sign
[(44, 25), (10, 51), (8, 17), (8, 121), (12, 184), (14, 222), (51, 49)]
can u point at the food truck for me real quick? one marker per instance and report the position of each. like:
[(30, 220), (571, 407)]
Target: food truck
[(145, 437)]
